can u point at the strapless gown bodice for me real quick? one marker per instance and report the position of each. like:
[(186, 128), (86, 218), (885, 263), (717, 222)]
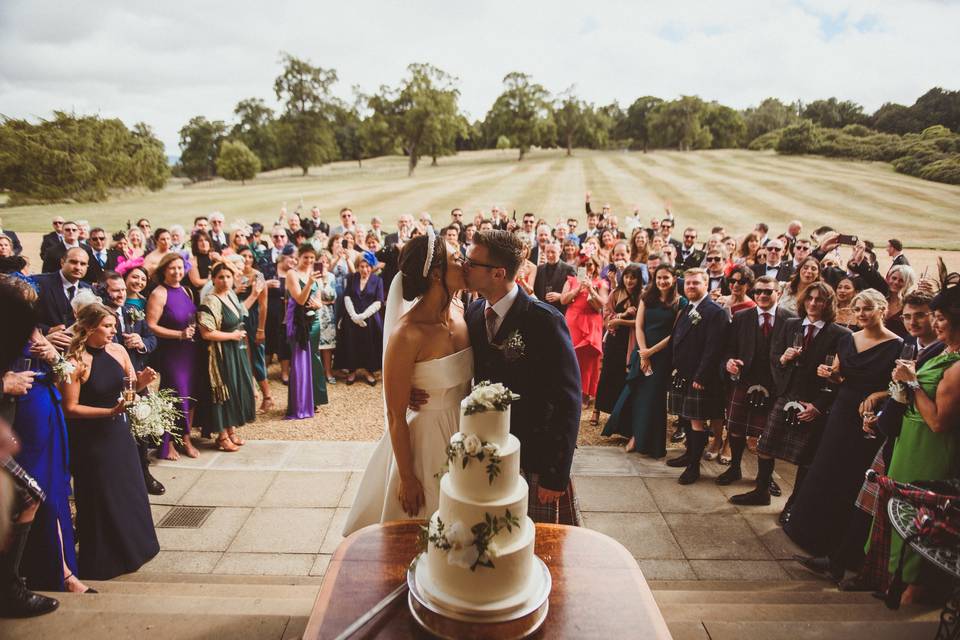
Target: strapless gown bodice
[(446, 380)]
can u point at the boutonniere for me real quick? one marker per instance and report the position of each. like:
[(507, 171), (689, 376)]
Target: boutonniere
[(513, 347), (135, 314), (695, 317)]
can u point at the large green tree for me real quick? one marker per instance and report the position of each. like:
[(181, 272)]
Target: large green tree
[(835, 114), (636, 121), (522, 113), (200, 141), (570, 115), (256, 128), (677, 124), (306, 132), (237, 162), (726, 125), (769, 115)]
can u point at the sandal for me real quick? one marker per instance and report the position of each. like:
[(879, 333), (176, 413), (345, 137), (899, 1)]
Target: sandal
[(237, 440), (351, 379), (631, 446), (595, 419), (224, 443), (90, 590), (267, 404), (371, 381)]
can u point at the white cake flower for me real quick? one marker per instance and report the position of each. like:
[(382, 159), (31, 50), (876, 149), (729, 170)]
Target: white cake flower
[(463, 550), (472, 445), (465, 558), (491, 448), (493, 551), (458, 535), (456, 438)]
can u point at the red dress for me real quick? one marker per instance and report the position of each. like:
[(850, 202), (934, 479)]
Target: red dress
[(586, 332)]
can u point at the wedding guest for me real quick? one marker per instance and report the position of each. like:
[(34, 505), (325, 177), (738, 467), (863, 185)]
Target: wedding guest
[(774, 264), (307, 386), (218, 236), (639, 245), (177, 238), (747, 251), (203, 257), (584, 301), (98, 257), (137, 244), (57, 290), (220, 318), (56, 253), (53, 238), (570, 254), (119, 251), (251, 284), (6, 247), (171, 315), (327, 334), (640, 412), (135, 278), (360, 341), (740, 282), (807, 274), (342, 266), (620, 316), (899, 281), (689, 256), (161, 239), (551, 277), (146, 235), (846, 289), (527, 274), (276, 323), (114, 523)]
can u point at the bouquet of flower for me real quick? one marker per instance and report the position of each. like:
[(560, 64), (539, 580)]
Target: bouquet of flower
[(468, 547), (487, 396), (465, 447), (153, 414), (63, 369)]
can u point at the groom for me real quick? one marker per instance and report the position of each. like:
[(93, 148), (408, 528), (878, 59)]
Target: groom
[(524, 344)]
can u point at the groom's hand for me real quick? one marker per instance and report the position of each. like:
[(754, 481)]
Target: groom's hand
[(418, 398), (545, 495)]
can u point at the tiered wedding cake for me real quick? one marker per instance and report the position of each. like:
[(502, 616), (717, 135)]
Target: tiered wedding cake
[(479, 544)]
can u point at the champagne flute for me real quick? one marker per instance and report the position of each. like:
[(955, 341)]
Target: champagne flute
[(828, 360), (798, 345), (869, 419), (909, 352), (129, 389), (24, 364)]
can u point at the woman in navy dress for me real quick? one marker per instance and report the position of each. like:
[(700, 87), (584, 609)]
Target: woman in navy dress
[(360, 340), (114, 523)]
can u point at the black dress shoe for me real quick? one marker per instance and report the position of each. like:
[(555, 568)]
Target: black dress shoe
[(691, 474), (774, 489), (154, 487), (755, 498), (17, 601), (678, 436), (856, 583), (679, 461), (729, 476), (821, 565)]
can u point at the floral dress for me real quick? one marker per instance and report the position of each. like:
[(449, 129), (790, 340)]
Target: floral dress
[(328, 319)]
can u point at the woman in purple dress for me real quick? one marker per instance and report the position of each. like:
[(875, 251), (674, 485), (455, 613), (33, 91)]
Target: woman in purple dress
[(308, 387), (172, 316), (360, 339)]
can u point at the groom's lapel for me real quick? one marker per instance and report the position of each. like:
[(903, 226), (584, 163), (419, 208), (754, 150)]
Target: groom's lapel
[(514, 315)]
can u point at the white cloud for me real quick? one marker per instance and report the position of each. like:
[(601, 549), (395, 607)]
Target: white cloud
[(166, 62)]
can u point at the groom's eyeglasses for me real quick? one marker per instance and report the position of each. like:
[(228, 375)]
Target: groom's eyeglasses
[(467, 262)]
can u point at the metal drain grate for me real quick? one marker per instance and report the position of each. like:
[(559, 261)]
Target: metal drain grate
[(185, 518)]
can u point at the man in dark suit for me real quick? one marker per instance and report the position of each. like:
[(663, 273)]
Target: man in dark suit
[(57, 289), (98, 256), (895, 251), (71, 239), (775, 265), (538, 255), (551, 276), (52, 239), (746, 360), (524, 344), (402, 234), (136, 337), (218, 237), (666, 228), (716, 262), (696, 392), (688, 256), (14, 240)]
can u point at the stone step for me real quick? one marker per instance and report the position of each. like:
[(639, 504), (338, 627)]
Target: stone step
[(741, 585), (179, 605), (801, 630), (207, 590), (793, 613), (751, 598), (217, 578)]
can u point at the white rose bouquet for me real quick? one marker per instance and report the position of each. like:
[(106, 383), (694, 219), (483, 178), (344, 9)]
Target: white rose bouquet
[(488, 396), (153, 414)]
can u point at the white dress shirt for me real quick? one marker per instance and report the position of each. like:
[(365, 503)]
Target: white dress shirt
[(502, 306)]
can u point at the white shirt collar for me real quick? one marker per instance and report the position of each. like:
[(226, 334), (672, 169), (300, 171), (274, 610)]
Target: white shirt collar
[(694, 305), (772, 311), (503, 305), (818, 324)]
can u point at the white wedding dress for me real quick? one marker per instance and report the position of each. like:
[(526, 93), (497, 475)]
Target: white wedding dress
[(447, 381)]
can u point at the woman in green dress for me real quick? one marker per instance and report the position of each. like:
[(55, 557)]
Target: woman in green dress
[(640, 413), (220, 318), (928, 447)]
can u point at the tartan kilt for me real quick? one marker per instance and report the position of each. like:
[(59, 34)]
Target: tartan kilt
[(694, 404), (869, 495), (785, 442), (566, 510), (742, 419)]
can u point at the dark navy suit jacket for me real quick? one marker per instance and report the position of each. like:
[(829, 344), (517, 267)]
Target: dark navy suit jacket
[(139, 327), (546, 419), (697, 348), (52, 303)]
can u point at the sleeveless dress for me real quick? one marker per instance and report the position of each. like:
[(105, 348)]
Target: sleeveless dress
[(234, 365), (251, 321), (176, 360), (44, 454), (114, 524), (641, 410), (447, 381), (825, 504), (613, 373), (586, 331), (308, 381)]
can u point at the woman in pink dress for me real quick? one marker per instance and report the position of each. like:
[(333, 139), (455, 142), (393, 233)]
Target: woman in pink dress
[(585, 297)]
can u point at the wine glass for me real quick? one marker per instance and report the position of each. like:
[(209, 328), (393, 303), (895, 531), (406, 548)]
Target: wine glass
[(129, 389), (828, 361), (798, 345), (869, 419), (24, 364), (909, 352)]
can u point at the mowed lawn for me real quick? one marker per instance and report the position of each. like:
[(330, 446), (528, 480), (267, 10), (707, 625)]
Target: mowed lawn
[(733, 188)]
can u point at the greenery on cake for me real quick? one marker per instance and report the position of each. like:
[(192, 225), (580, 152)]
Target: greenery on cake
[(468, 548), (462, 448), (489, 396)]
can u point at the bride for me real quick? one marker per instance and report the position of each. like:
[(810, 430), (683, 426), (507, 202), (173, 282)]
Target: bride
[(427, 347)]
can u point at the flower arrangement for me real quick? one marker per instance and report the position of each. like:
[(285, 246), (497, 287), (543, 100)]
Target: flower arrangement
[(695, 317), (488, 396), (513, 347), (468, 548), (153, 414), (63, 369), (135, 314), (467, 447)]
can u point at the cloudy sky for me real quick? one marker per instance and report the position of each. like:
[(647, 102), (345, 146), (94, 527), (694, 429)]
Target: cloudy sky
[(164, 62)]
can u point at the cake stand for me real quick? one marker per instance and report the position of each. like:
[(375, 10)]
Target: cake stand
[(509, 619)]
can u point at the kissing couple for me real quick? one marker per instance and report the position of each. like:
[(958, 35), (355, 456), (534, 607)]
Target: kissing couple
[(433, 352)]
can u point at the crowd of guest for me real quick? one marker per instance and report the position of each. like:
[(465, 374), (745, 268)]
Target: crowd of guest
[(782, 345)]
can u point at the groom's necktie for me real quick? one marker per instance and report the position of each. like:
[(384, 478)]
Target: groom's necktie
[(491, 317)]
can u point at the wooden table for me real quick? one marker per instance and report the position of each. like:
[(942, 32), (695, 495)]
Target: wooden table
[(598, 588)]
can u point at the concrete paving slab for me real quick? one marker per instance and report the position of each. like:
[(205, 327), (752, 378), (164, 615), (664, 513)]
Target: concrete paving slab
[(776, 504), (207, 457), (334, 535), (283, 530), (306, 489), (601, 461), (666, 569), (652, 467), (176, 480), (329, 456), (350, 493), (256, 455), (320, 564), (73, 623), (216, 534), (771, 534), (182, 562), (701, 497), (229, 488), (798, 572), (613, 493), (645, 535), (265, 564), (738, 570), (725, 536)]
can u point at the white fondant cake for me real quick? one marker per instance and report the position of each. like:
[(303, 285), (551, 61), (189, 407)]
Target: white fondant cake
[(480, 547)]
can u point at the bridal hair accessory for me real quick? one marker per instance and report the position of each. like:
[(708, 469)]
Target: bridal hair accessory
[(431, 240)]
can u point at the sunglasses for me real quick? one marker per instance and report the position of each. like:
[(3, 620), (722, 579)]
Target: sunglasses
[(689, 237), (57, 224), (736, 281), (714, 259), (98, 237), (763, 292)]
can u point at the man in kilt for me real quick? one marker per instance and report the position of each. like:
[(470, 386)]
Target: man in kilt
[(803, 399), (746, 360), (696, 390)]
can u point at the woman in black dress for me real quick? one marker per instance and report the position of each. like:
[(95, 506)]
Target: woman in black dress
[(621, 312), (114, 523)]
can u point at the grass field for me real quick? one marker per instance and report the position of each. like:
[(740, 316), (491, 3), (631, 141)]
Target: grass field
[(731, 187)]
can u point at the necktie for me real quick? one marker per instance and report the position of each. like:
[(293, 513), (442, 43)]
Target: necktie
[(72, 289), (101, 258), (767, 327), (808, 337), (491, 318)]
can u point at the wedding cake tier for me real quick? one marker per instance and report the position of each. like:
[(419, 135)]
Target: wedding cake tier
[(479, 543)]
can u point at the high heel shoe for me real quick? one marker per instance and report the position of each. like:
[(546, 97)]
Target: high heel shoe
[(89, 590)]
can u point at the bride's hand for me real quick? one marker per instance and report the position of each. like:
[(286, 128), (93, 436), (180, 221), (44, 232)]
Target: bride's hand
[(418, 398), (411, 496)]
